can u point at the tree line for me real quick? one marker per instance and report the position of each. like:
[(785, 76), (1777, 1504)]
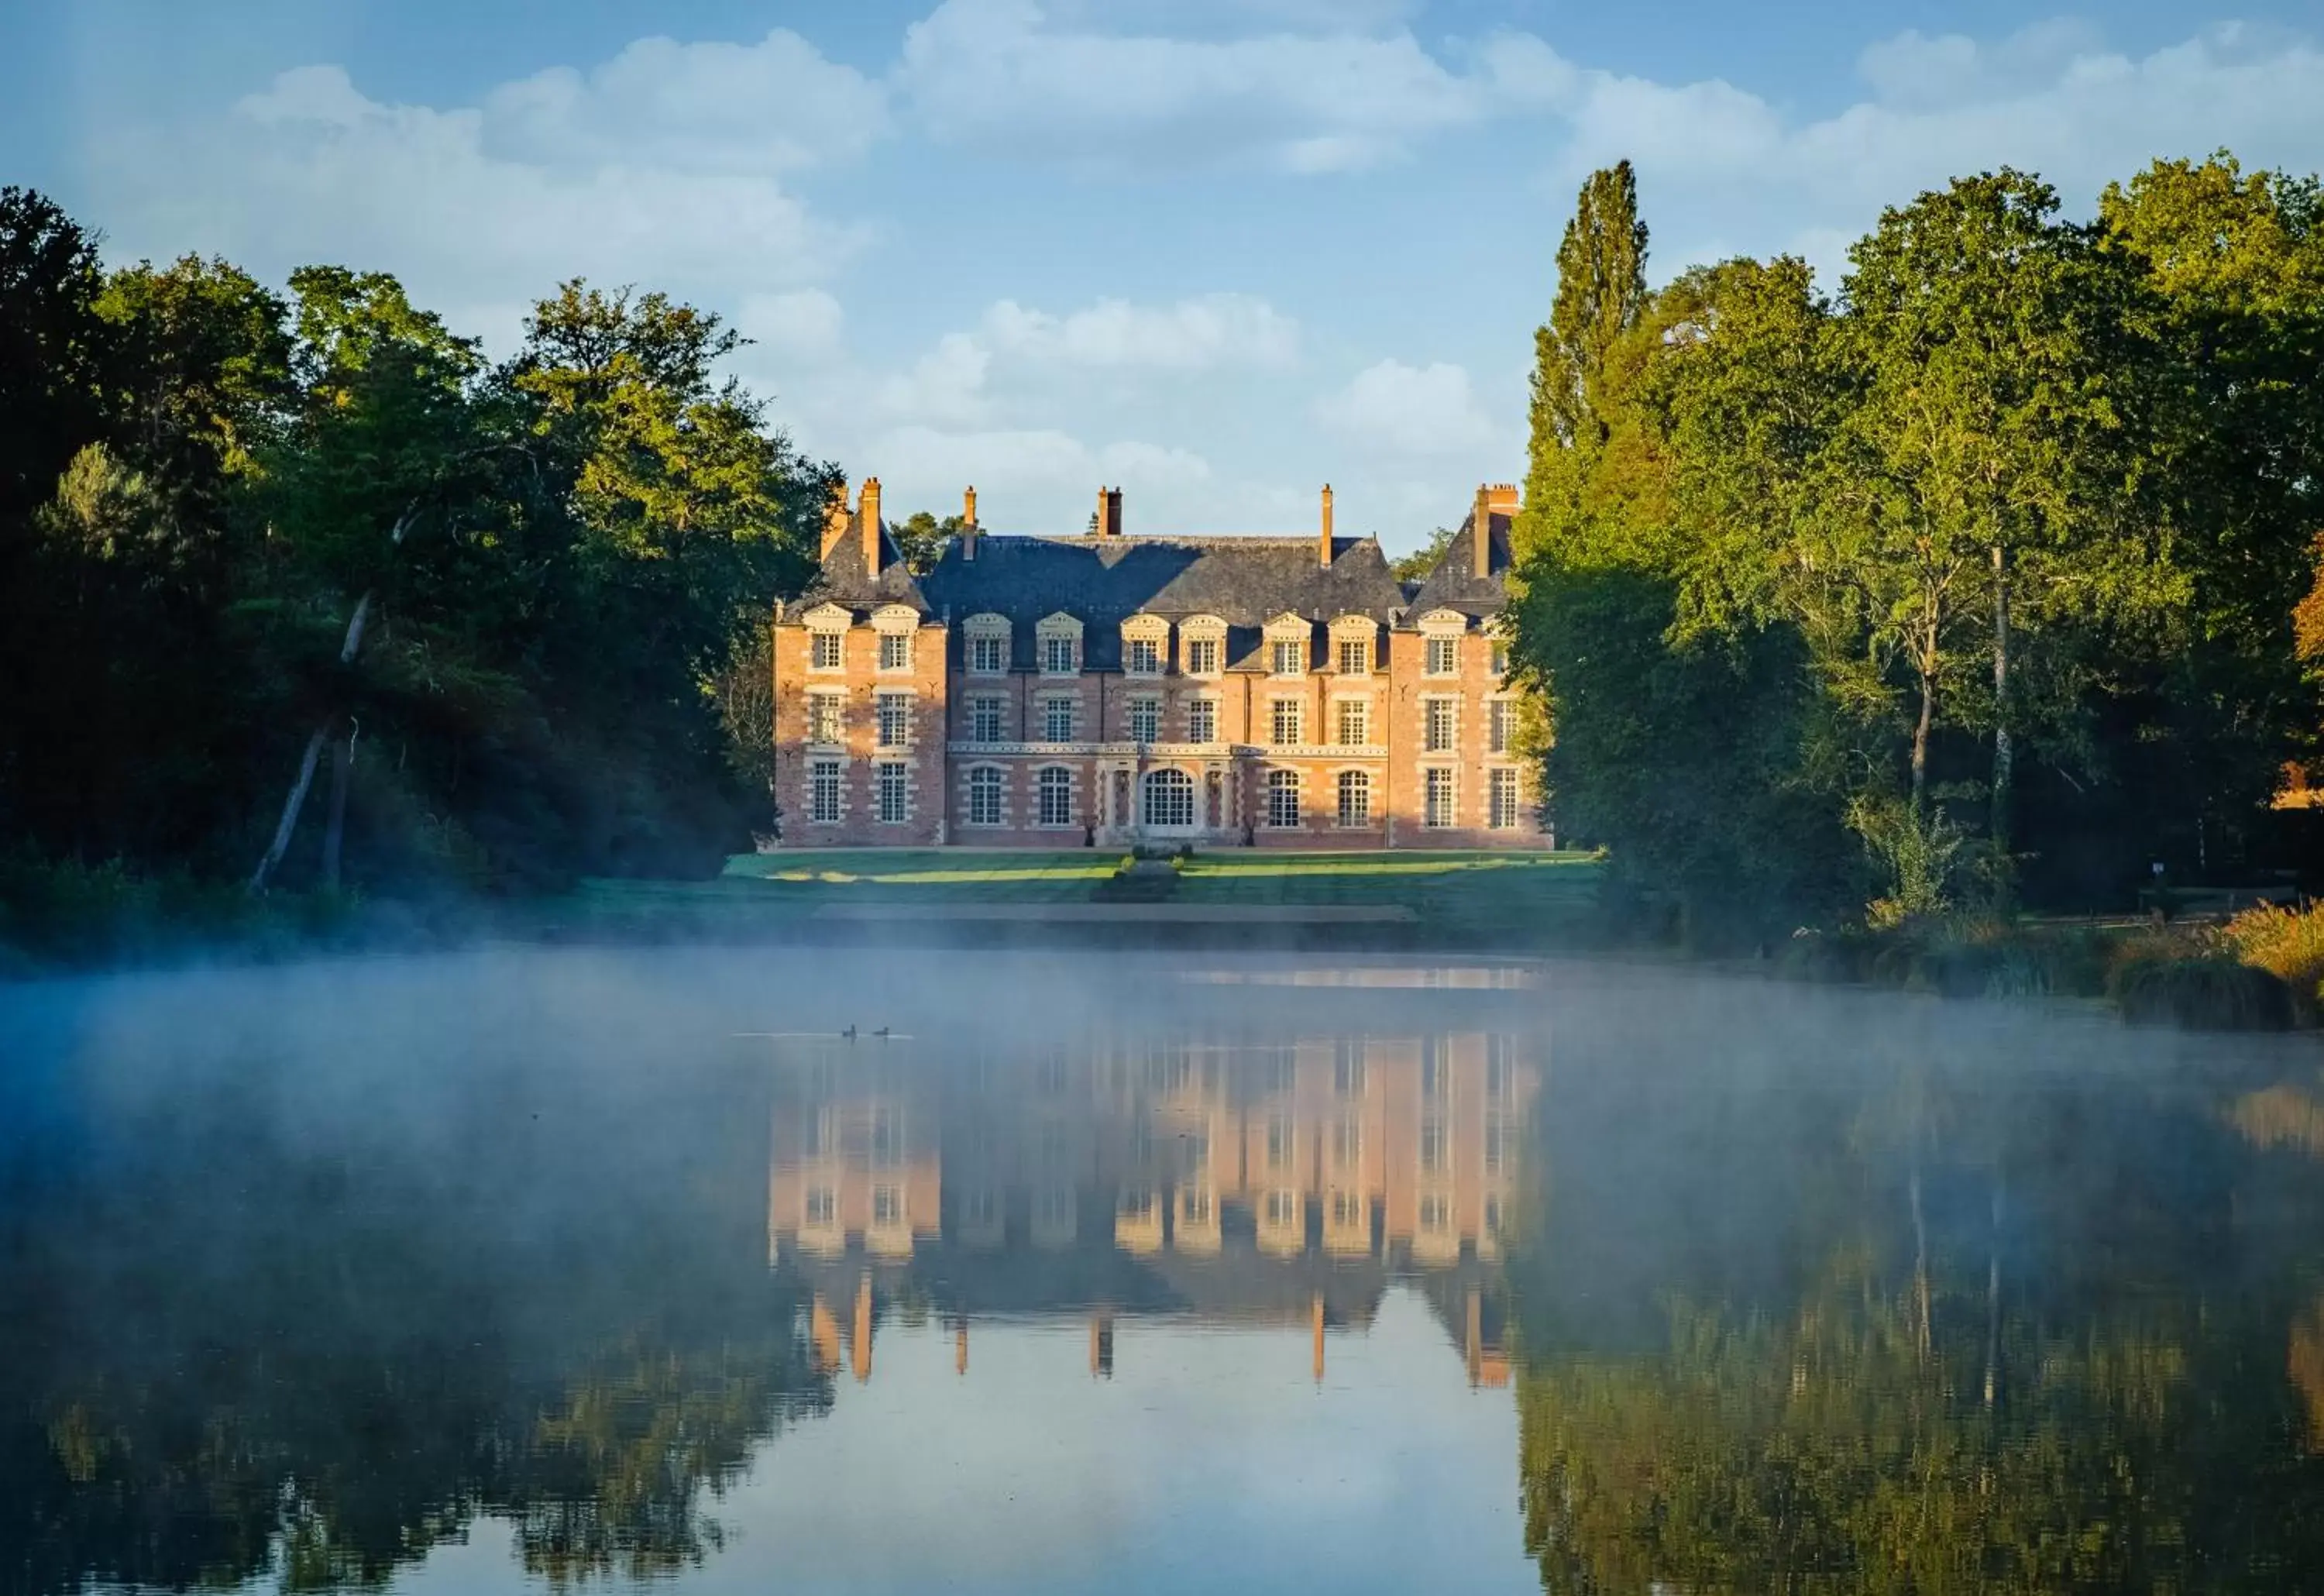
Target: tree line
[(303, 588), (1976, 581)]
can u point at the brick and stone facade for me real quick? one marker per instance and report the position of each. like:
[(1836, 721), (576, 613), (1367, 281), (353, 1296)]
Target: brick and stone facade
[(1037, 691)]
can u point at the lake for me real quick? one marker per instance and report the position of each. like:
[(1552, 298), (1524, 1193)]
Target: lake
[(730, 1270)]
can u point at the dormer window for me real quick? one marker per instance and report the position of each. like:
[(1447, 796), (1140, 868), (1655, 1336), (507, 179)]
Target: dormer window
[(895, 624), (1444, 656), (988, 644), (1287, 657), (1142, 656), (1202, 656), (895, 651), (826, 648), (1060, 640), (1201, 645)]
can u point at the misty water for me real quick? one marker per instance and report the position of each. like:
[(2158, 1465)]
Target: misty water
[(583, 1268)]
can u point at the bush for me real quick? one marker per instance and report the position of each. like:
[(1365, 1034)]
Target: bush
[(2198, 987), (2288, 944), (65, 913)]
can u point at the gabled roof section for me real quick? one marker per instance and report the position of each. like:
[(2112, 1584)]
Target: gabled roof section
[(1242, 580), (1455, 583), (843, 580)]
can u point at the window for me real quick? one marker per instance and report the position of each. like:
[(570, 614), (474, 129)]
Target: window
[(1442, 724), (981, 1208), (1288, 658), (984, 795), (1056, 784), (895, 651), (1503, 794), (984, 719), (822, 1206), (1497, 1133), (1347, 1211), (1355, 657), (1500, 659), (1278, 1143), (1355, 797), (894, 788), (1500, 715), (1444, 656), (1057, 720), (1142, 656), (895, 720), (1348, 1069), (1202, 720), (1144, 719), (988, 656), (887, 1204), (1436, 1144), (1169, 798), (1436, 803), (1058, 656), (886, 1142), (825, 715), (1355, 717), (1286, 722), (823, 792), (1194, 1205), (1435, 1213), (824, 651), (1283, 798), (1202, 656), (1137, 1207), (1282, 1210), (1347, 1142)]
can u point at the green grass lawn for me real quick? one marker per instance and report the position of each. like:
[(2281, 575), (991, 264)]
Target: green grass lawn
[(1473, 898)]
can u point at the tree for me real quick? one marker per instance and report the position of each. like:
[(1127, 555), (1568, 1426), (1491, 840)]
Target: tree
[(922, 538), (1416, 566)]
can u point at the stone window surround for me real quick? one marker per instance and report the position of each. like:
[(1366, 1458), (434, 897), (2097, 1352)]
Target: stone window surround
[(1284, 779), (1341, 785), (837, 765), (968, 786), (827, 620), (1042, 786), (1436, 627), (985, 627), (1203, 629), (819, 702), (1297, 706), (1058, 624), (1210, 700), (1288, 628), (1072, 708), (1340, 704), (1356, 629), (1429, 703), (1144, 628), (894, 621), (1452, 774), (910, 782)]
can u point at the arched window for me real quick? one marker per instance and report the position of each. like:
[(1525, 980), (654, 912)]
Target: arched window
[(984, 795), (1355, 797), (1057, 788), (1169, 799), (1283, 798)]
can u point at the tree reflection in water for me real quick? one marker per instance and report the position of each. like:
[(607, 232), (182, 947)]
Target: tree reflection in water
[(1954, 1315)]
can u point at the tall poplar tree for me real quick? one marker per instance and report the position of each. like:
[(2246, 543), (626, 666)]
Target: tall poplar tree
[(1601, 287)]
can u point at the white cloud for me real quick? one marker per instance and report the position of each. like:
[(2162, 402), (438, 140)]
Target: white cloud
[(1410, 410), (806, 326), (1191, 336), (638, 172), (769, 107), (1001, 73)]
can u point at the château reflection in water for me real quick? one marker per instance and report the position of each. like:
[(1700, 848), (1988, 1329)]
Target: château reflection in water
[(543, 1270), (1120, 1174)]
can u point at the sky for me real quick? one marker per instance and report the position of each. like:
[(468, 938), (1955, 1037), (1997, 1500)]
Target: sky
[(1215, 252)]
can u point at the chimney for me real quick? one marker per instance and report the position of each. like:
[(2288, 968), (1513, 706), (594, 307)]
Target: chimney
[(1324, 538), (968, 525), (868, 512), (1482, 525), (834, 519), (1109, 512)]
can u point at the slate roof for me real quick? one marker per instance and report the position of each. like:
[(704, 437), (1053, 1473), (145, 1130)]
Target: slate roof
[(1104, 581), (1455, 583), (1245, 581), (843, 580)]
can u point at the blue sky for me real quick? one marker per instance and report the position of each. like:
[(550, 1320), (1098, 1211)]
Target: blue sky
[(1216, 251)]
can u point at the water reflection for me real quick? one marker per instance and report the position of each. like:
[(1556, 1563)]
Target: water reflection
[(500, 1274), (1130, 1172)]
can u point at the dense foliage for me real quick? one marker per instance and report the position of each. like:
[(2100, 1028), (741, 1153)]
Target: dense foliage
[(303, 588), (1978, 578)]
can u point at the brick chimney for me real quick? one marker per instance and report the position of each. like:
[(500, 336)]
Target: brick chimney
[(1482, 524), (1109, 512), (834, 519), (1323, 537), (968, 523), (868, 512)]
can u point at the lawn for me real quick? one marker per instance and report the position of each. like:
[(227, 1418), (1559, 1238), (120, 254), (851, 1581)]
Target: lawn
[(1474, 899)]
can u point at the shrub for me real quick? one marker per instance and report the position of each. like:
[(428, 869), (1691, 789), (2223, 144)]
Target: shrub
[(2288, 944), (2199, 987)]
